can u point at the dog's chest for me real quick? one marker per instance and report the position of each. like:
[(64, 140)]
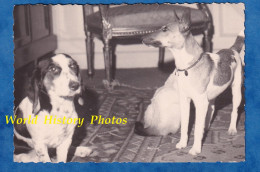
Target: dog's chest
[(54, 127), (195, 83), (58, 135), (188, 87), (61, 124)]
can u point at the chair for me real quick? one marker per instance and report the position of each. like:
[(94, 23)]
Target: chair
[(134, 21)]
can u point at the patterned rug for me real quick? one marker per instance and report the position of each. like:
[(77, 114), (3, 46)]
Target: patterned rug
[(119, 143)]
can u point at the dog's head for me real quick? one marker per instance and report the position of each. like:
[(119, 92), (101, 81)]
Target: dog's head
[(171, 35), (57, 76)]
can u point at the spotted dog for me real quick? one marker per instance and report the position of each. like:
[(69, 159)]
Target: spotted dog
[(55, 85), (201, 77)]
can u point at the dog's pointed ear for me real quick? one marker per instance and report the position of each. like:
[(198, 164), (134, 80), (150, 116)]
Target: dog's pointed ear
[(175, 15), (185, 21), (33, 91)]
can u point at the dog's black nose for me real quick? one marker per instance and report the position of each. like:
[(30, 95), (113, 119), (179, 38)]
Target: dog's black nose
[(73, 85)]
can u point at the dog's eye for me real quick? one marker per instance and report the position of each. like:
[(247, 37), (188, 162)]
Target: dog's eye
[(73, 66), (165, 28), (53, 69)]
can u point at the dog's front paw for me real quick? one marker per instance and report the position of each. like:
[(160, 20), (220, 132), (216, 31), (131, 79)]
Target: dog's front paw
[(232, 131), (83, 151), (181, 144), (44, 159), (195, 150)]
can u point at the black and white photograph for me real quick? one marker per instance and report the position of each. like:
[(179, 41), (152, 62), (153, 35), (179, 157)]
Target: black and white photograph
[(129, 83)]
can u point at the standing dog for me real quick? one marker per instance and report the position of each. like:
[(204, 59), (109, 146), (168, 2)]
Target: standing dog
[(201, 76), (55, 85)]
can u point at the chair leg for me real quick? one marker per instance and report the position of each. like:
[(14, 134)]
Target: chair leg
[(207, 44), (161, 57), (114, 58), (108, 63), (90, 53)]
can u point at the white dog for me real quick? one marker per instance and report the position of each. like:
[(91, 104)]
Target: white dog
[(163, 114)]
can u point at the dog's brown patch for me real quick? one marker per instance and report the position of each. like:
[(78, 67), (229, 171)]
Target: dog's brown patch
[(223, 74)]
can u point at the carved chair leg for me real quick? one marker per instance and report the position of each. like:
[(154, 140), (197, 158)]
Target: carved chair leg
[(90, 53), (208, 33), (113, 59), (161, 57), (207, 41), (108, 63)]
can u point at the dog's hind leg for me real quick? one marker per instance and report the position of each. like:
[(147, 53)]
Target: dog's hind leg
[(236, 100), (211, 110)]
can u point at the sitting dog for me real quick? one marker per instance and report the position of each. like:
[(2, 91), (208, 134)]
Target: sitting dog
[(55, 87), (201, 77), (162, 116)]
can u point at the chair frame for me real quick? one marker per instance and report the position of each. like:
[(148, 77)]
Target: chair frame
[(107, 33)]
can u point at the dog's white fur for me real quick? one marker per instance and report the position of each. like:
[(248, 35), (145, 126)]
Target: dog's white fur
[(163, 114), (81, 151)]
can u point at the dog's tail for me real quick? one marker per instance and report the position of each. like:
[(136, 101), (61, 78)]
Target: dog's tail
[(239, 43), (149, 131)]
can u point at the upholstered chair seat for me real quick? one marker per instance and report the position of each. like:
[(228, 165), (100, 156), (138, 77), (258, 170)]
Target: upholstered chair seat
[(142, 17)]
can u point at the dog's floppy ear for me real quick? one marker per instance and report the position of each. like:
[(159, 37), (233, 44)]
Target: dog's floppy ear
[(34, 91), (185, 21)]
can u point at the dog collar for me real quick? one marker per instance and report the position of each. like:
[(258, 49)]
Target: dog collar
[(191, 66)]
